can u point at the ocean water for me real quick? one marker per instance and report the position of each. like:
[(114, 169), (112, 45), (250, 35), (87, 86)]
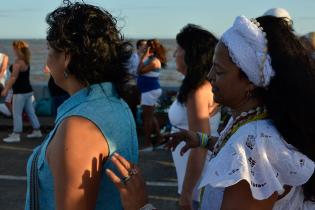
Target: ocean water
[(169, 76)]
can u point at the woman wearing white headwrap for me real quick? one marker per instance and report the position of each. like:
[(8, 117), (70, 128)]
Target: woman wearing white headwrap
[(264, 158)]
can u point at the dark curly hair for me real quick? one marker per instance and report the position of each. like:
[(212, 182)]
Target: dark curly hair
[(90, 35), (199, 45), (290, 98), (158, 50)]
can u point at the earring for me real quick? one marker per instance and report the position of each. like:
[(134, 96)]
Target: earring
[(66, 74)]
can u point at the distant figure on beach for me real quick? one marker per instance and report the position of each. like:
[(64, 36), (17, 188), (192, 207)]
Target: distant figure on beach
[(194, 108), (134, 61), (6, 107), (86, 58), (4, 60), (131, 94), (19, 81), (151, 62)]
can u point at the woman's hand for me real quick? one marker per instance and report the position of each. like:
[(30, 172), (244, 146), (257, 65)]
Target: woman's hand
[(190, 137), (147, 52), (131, 186)]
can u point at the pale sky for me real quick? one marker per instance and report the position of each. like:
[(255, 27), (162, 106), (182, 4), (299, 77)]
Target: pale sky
[(154, 19)]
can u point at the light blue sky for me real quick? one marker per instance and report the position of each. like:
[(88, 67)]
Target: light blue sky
[(158, 18)]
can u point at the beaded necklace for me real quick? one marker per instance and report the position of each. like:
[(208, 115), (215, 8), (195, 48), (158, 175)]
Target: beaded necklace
[(258, 113)]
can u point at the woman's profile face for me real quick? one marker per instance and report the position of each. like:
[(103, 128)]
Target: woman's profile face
[(179, 55), (229, 87), (142, 47)]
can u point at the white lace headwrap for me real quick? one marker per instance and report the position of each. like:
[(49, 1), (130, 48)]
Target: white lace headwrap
[(247, 45)]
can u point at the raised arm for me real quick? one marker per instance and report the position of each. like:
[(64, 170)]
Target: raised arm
[(75, 156), (154, 64)]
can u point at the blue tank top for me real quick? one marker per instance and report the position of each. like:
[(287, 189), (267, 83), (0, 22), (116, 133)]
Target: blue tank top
[(115, 121)]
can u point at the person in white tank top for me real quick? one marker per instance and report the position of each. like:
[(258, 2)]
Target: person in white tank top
[(194, 108)]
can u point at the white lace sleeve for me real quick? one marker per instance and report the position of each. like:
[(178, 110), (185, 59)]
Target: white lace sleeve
[(258, 154)]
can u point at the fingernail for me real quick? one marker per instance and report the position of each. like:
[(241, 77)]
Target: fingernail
[(116, 154)]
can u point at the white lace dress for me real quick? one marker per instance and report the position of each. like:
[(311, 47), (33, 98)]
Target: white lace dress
[(258, 154)]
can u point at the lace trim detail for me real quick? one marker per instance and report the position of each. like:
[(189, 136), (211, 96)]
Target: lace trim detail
[(258, 154), (231, 54)]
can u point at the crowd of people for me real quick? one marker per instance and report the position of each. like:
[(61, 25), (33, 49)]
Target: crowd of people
[(264, 157), (259, 70)]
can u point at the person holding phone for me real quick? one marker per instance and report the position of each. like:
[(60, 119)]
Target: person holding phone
[(151, 63)]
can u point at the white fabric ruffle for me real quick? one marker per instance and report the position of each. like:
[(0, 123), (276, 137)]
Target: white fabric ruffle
[(258, 154)]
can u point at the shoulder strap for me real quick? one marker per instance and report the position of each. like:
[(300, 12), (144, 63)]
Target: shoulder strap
[(34, 188)]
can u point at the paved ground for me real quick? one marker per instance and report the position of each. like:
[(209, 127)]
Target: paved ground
[(157, 167)]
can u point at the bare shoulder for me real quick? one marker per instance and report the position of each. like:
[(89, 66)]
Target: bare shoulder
[(20, 62), (78, 135), (82, 129), (203, 97), (19, 65), (16, 66), (76, 156), (203, 92), (156, 63)]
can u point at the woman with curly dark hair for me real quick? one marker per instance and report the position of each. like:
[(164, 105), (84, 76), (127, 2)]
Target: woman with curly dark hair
[(264, 158), (194, 108), (86, 57), (148, 84)]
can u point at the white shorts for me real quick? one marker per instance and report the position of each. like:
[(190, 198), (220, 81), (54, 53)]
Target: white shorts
[(151, 98)]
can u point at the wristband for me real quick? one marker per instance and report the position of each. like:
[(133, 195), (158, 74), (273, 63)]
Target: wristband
[(203, 139)]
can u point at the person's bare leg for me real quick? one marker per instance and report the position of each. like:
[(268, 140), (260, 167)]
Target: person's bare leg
[(157, 130), (148, 115)]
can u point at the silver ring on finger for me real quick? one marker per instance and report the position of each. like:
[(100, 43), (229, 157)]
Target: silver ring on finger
[(132, 171), (125, 179)]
